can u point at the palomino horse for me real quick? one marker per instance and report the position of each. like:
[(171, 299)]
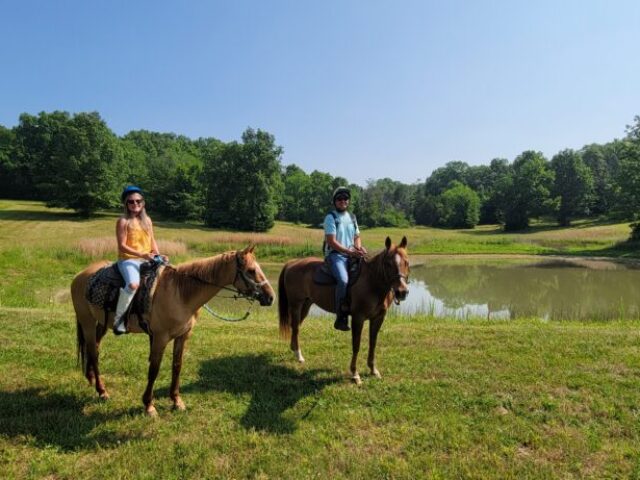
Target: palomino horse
[(180, 293), (383, 277)]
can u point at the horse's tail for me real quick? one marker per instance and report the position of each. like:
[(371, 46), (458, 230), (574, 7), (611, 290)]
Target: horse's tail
[(283, 306)]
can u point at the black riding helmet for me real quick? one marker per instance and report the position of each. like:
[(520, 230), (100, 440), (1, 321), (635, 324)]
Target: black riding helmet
[(340, 191), (129, 190)]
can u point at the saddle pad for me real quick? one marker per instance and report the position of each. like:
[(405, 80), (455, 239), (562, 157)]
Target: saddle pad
[(104, 286), (322, 274)]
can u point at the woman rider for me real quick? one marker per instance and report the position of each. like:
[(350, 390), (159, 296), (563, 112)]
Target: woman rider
[(136, 244)]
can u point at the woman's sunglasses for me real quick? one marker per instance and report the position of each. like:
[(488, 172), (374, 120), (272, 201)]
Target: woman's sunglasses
[(137, 202), (340, 199)]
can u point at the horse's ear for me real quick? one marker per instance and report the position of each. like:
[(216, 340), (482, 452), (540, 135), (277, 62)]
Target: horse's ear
[(387, 243), (249, 249), (403, 243)]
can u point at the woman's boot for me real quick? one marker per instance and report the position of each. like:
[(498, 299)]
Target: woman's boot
[(124, 300)]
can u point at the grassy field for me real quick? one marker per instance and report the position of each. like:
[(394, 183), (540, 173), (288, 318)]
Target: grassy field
[(472, 399)]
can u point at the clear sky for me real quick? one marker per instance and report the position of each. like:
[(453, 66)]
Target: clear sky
[(364, 89)]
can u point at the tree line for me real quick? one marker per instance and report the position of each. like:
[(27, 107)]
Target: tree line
[(75, 161)]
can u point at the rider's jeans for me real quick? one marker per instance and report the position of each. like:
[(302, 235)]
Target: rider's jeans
[(338, 264), (130, 270)]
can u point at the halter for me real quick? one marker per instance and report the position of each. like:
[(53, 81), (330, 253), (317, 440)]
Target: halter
[(391, 278), (248, 282)]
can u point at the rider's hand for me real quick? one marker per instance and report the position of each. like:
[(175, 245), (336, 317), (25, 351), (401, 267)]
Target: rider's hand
[(148, 256)]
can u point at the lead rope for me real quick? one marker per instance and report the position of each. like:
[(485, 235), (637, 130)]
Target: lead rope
[(227, 319)]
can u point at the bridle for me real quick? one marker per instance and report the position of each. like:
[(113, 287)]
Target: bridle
[(390, 279), (252, 286)]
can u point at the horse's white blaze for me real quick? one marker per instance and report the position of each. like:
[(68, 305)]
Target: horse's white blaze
[(398, 259)]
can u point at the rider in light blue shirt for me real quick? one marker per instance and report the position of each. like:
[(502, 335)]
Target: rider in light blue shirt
[(342, 238)]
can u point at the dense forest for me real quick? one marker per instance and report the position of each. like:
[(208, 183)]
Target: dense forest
[(76, 161)]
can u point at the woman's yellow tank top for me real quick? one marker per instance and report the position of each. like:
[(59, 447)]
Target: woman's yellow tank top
[(137, 239)]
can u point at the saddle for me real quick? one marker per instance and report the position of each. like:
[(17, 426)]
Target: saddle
[(322, 274), (104, 286)]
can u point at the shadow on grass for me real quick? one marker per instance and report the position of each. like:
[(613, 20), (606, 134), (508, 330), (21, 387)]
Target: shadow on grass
[(36, 415), (273, 388)]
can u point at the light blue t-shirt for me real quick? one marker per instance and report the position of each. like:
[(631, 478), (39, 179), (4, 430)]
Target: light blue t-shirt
[(343, 228)]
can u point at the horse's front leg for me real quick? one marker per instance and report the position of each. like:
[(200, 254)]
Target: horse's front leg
[(158, 344), (357, 323), (178, 349), (374, 327)]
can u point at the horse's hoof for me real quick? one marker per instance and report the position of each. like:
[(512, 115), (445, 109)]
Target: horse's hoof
[(356, 379), (299, 356), (151, 411), (179, 405), (376, 373), (103, 396)]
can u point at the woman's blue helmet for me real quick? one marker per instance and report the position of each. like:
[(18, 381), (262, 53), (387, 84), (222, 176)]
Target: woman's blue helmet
[(129, 190)]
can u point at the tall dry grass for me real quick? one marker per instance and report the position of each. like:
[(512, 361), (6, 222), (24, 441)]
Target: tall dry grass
[(106, 247)]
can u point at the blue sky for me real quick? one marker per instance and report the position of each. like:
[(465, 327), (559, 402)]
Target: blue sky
[(361, 89)]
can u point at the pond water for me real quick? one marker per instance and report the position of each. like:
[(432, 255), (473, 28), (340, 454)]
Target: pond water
[(549, 288), (507, 288)]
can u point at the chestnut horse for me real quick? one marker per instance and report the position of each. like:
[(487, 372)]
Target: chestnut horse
[(383, 278), (179, 294)]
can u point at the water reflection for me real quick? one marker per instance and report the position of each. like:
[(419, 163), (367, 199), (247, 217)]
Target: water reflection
[(505, 288), (551, 289)]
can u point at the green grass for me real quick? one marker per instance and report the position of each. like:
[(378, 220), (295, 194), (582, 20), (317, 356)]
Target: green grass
[(473, 399), (458, 399)]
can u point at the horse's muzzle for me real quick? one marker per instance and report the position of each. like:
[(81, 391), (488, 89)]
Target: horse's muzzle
[(401, 294), (265, 299)]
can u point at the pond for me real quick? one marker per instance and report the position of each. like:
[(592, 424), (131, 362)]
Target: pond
[(548, 288), (506, 288)]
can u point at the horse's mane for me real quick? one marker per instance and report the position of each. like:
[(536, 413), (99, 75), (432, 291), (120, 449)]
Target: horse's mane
[(376, 263), (189, 277)]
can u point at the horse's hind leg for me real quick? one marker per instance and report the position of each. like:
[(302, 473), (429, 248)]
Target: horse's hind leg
[(357, 323), (92, 339), (178, 350), (298, 314)]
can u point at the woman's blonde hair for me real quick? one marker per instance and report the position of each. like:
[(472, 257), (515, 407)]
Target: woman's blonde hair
[(143, 218)]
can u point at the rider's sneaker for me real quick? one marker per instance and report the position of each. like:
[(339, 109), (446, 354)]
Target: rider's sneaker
[(342, 323)]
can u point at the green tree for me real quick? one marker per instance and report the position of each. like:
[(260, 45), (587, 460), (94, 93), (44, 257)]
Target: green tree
[(524, 192), (243, 183), (603, 167), (386, 203), (628, 178), (441, 178), (459, 207), (573, 185), (297, 190), (9, 180), (73, 161)]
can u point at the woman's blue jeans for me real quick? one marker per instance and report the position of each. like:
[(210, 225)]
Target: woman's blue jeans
[(339, 269), (130, 270)]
